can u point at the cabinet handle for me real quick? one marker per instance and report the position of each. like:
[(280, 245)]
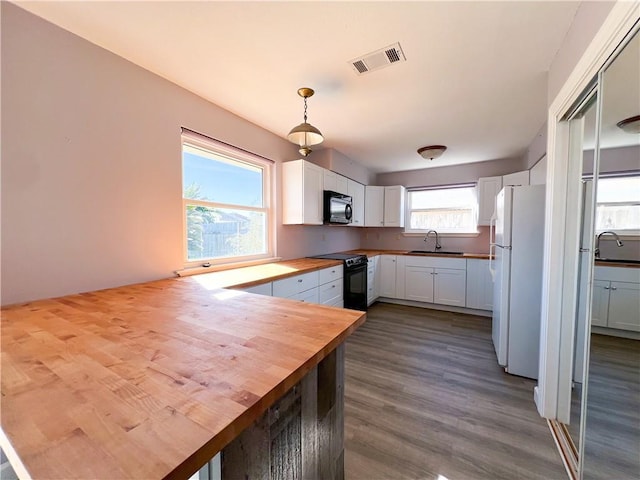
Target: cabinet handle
[(299, 280), (606, 288), (333, 286), (614, 288), (333, 271)]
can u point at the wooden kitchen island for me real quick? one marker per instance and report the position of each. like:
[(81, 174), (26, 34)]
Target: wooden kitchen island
[(153, 380)]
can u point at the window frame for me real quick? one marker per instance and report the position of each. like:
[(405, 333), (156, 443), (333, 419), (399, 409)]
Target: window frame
[(409, 232), (631, 233), (233, 154)]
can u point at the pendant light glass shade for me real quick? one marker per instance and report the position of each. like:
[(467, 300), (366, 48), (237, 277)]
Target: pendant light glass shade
[(305, 134)]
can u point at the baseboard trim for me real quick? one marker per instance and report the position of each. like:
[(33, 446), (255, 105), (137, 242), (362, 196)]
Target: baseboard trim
[(614, 332), (436, 306)]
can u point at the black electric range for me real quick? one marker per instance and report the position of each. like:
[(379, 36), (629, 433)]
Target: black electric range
[(355, 278)]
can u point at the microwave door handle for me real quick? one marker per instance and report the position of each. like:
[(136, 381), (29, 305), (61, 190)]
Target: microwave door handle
[(348, 211)]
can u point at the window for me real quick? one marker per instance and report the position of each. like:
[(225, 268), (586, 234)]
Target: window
[(226, 199), (618, 204), (451, 209)]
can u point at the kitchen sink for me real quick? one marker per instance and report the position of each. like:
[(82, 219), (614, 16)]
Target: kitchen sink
[(617, 260), (439, 252)]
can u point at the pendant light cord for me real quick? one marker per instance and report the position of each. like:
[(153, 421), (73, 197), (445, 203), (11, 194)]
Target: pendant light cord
[(305, 109)]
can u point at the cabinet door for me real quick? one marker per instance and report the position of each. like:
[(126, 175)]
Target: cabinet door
[(329, 180), (301, 193), (449, 287), (262, 289), (600, 303), (394, 206), (378, 275), (373, 206), (517, 178), (342, 184), (387, 280), (419, 284), (312, 194), (371, 283), (624, 306), (488, 188), (356, 191), (479, 285)]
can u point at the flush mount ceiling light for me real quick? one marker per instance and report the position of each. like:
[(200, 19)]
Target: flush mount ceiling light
[(431, 151), (305, 134), (630, 125)]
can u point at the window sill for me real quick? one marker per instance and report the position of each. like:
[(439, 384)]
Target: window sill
[(460, 235), (197, 270)]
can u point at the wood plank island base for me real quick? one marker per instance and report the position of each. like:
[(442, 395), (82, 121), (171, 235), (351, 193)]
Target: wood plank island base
[(153, 380)]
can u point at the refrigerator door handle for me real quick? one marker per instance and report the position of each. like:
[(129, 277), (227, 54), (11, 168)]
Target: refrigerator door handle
[(492, 246)]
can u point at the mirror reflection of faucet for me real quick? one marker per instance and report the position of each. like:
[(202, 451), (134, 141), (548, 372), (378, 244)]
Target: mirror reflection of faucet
[(615, 235), (437, 245)]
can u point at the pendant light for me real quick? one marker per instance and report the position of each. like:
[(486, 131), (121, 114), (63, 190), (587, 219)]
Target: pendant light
[(432, 151), (305, 134)]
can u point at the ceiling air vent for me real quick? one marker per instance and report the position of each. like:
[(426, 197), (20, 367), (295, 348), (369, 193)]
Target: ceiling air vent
[(378, 59)]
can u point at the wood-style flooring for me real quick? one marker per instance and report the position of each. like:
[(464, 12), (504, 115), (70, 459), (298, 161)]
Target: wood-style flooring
[(612, 437), (425, 398)]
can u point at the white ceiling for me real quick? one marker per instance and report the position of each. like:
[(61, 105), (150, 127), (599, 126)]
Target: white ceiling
[(474, 79)]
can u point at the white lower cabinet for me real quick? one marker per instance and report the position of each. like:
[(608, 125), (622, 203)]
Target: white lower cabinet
[(418, 284), (423, 279), (387, 280), (600, 303), (262, 289), (291, 286), (322, 286), (372, 290), (449, 286), (616, 298), (479, 285)]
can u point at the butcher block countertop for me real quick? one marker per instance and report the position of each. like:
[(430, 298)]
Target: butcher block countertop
[(150, 380), (619, 263), (257, 274), (373, 253)]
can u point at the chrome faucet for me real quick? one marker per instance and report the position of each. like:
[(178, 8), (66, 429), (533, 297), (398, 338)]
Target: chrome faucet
[(426, 238), (615, 235)]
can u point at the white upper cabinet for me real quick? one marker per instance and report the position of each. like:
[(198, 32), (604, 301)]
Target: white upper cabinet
[(302, 185), (515, 179), (488, 188), (342, 184), (329, 180), (335, 182), (374, 206), (356, 191), (394, 198)]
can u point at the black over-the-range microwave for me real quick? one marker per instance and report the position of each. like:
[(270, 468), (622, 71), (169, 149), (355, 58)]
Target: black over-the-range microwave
[(338, 208)]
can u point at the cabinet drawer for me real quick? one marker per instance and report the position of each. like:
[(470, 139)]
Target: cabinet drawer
[(309, 296), (262, 289), (435, 262), (288, 287), (330, 274), (330, 292)]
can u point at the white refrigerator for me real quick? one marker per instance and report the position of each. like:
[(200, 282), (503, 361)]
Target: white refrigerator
[(517, 271)]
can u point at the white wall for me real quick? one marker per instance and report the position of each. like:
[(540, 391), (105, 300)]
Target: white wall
[(538, 173), (586, 23), (91, 166)]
